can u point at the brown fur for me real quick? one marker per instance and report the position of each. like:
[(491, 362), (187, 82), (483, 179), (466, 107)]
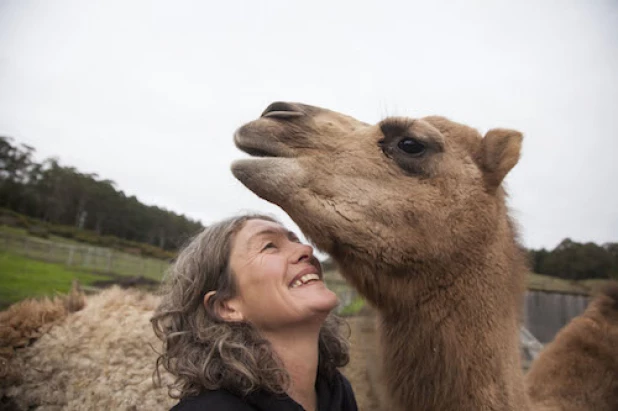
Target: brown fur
[(24, 322), (426, 239), (99, 358), (579, 369)]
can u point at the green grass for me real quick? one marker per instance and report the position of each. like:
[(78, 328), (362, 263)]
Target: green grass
[(540, 282), (354, 307), (22, 277), (594, 285), (33, 267), (57, 249)]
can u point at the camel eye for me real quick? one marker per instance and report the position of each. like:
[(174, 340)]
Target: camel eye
[(411, 146)]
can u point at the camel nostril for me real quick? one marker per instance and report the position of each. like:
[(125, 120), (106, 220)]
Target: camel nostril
[(280, 109)]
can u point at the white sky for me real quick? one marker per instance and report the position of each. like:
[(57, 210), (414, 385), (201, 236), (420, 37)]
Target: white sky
[(149, 93)]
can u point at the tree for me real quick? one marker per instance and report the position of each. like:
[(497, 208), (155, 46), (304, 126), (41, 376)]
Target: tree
[(63, 195), (577, 261)]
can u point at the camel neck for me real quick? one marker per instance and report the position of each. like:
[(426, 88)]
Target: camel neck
[(459, 340)]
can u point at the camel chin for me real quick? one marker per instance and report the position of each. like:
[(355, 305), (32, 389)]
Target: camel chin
[(272, 178)]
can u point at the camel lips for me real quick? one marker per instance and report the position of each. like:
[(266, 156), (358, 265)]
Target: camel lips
[(307, 278)]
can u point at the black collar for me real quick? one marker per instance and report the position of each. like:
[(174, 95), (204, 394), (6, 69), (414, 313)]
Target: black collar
[(334, 394)]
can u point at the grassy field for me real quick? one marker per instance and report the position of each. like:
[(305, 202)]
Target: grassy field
[(31, 266), (540, 282), (80, 256), (22, 277)]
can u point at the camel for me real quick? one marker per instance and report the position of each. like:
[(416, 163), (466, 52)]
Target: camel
[(579, 369), (413, 212)]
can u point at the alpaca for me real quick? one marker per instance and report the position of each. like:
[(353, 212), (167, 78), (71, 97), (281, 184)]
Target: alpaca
[(27, 320), (414, 214), (100, 357)]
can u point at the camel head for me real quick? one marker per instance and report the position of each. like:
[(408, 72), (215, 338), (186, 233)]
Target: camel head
[(401, 193)]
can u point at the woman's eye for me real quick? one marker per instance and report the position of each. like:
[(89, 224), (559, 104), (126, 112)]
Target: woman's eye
[(411, 146), (268, 245)]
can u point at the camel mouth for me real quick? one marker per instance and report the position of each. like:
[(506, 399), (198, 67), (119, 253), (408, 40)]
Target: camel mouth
[(259, 144), (256, 151)]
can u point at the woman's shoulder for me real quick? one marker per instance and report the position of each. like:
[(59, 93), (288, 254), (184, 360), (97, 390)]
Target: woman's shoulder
[(217, 400)]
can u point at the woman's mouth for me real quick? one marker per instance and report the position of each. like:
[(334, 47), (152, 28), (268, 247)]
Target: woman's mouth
[(305, 279)]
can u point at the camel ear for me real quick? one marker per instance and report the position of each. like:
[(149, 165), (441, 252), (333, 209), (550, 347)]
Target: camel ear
[(499, 154)]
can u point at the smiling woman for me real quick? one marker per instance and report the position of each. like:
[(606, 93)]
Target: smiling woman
[(246, 323)]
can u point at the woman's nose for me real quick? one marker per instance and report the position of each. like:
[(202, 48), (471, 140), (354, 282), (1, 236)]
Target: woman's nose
[(302, 252)]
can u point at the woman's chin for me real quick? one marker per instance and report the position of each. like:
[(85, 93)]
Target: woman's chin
[(327, 301), (317, 297)]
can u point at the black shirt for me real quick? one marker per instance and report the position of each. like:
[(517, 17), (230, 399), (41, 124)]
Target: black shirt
[(333, 395)]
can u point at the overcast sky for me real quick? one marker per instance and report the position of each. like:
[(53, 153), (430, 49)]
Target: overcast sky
[(149, 93)]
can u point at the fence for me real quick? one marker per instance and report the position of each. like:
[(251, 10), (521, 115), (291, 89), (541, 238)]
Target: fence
[(89, 258), (546, 313)]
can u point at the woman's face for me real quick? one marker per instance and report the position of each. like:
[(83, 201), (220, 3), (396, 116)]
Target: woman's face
[(279, 281)]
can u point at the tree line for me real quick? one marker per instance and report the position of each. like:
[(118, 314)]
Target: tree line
[(62, 195), (577, 261)]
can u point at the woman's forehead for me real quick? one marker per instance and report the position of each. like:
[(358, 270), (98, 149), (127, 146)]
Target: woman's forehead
[(255, 228)]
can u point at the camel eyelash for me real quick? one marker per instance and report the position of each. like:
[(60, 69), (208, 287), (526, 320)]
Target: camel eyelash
[(392, 127)]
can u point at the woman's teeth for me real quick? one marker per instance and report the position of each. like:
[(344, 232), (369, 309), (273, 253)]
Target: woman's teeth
[(305, 279)]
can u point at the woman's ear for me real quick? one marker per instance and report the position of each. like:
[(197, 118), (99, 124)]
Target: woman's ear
[(228, 310)]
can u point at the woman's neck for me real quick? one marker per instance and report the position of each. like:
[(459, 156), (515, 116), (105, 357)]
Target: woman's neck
[(298, 350)]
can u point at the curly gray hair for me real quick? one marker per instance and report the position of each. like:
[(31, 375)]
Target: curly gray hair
[(203, 351)]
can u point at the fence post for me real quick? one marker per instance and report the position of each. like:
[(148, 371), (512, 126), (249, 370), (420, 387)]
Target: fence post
[(88, 257), (110, 252), (70, 257)]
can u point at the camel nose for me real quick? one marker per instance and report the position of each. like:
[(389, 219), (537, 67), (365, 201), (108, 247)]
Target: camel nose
[(280, 109)]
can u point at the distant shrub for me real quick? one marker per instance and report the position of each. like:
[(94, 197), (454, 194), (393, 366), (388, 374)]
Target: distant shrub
[(62, 230), (38, 231), (42, 229), (13, 219)]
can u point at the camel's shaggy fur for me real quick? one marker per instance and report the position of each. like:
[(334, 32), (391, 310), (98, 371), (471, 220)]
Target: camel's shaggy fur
[(98, 358), (579, 369), (414, 213)]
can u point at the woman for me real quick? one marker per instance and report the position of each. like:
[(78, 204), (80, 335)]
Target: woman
[(246, 324)]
